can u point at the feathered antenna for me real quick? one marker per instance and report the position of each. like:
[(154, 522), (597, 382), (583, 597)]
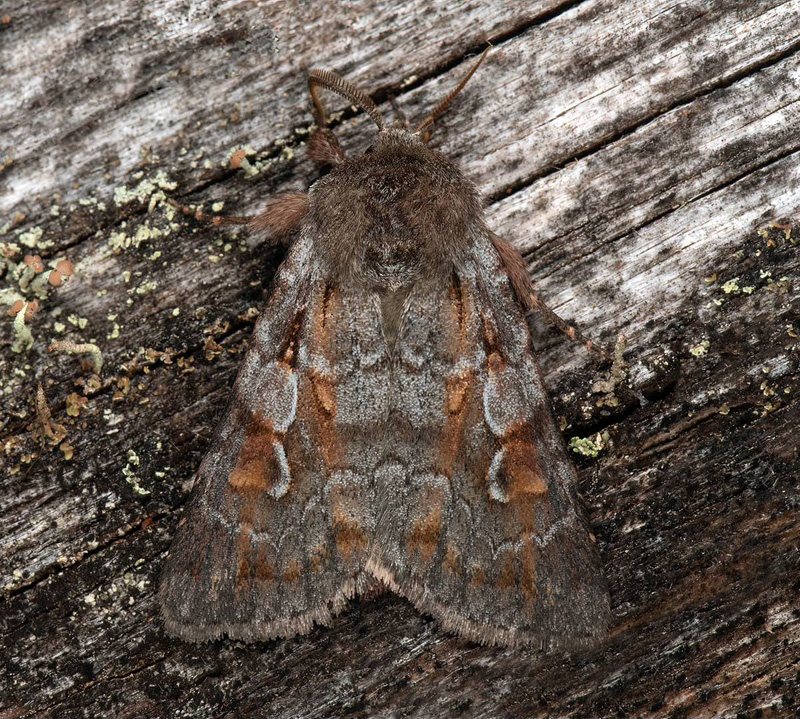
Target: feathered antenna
[(333, 82), (439, 110)]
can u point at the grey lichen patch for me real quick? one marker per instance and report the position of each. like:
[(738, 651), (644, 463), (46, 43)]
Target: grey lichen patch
[(119, 594), (615, 376), (73, 348)]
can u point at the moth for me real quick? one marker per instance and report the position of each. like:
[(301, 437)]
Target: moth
[(389, 423)]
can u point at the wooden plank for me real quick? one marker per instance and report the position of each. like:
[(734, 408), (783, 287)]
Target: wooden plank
[(567, 87), (651, 156), (103, 86)]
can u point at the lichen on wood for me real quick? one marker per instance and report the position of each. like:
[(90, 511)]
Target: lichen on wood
[(646, 159)]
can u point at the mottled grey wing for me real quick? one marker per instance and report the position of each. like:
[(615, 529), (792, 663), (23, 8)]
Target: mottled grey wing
[(281, 515), (478, 518)]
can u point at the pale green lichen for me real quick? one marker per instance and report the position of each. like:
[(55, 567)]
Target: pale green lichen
[(700, 349), (41, 284), (119, 241), (145, 190), (130, 474), (287, 154), (146, 233), (24, 338), (78, 321), (31, 237), (217, 206), (589, 447), (146, 287), (731, 286), (9, 296)]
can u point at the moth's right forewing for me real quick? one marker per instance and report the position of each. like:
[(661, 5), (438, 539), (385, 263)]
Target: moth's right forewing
[(275, 533), (479, 521)]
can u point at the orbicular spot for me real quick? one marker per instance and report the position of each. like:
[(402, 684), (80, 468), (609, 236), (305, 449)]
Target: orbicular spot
[(505, 406), (269, 391), (280, 395)]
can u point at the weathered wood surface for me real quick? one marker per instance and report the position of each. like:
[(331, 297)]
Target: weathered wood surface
[(646, 158)]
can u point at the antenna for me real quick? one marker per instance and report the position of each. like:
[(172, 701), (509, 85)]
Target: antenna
[(335, 83), (439, 110)]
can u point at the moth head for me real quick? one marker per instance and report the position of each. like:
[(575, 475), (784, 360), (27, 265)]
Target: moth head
[(401, 211), (325, 79)]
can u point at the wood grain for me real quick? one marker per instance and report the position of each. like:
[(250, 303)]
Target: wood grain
[(644, 156)]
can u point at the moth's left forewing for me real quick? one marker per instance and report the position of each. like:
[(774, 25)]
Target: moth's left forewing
[(478, 517), (275, 534)]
